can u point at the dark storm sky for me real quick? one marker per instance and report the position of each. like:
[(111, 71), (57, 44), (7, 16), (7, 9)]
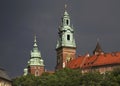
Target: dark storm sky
[(21, 19)]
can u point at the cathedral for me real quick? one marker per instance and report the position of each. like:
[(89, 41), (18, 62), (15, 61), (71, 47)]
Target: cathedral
[(66, 54)]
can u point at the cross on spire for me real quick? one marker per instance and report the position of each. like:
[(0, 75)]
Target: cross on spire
[(65, 6)]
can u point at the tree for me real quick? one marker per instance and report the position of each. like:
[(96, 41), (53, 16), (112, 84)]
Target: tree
[(70, 77), (29, 80), (91, 79)]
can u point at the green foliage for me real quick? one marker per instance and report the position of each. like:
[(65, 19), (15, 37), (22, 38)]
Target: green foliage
[(29, 80), (69, 77), (91, 79)]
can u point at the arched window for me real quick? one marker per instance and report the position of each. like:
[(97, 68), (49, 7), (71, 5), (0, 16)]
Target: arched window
[(67, 22), (36, 73), (68, 37)]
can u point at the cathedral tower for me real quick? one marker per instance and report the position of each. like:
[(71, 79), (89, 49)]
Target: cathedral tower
[(35, 64), (66, 46)]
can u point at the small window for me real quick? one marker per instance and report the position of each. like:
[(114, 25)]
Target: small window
[(36, 73), (67, 22), (68, 37)]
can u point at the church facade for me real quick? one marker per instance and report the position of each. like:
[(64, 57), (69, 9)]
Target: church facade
[(66, 54)]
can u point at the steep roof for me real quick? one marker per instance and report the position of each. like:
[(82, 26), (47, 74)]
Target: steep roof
[(95, 60), (98, 49), (4, 75)]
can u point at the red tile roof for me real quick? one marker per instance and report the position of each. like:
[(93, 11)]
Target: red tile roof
[(95, 60)]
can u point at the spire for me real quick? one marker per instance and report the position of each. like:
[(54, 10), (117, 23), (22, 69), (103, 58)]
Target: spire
[(66, 13), (35, 52), (35, 41), (98, 49), (36, 58), (66, 18)]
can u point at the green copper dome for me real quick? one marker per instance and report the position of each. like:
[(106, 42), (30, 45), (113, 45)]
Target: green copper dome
[(35, 52), (35, 57)]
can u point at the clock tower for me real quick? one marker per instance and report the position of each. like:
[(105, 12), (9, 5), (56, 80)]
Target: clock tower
[(66, 46)]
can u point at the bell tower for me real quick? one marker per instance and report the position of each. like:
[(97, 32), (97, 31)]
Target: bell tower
[(36, 63), (66, 46)]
